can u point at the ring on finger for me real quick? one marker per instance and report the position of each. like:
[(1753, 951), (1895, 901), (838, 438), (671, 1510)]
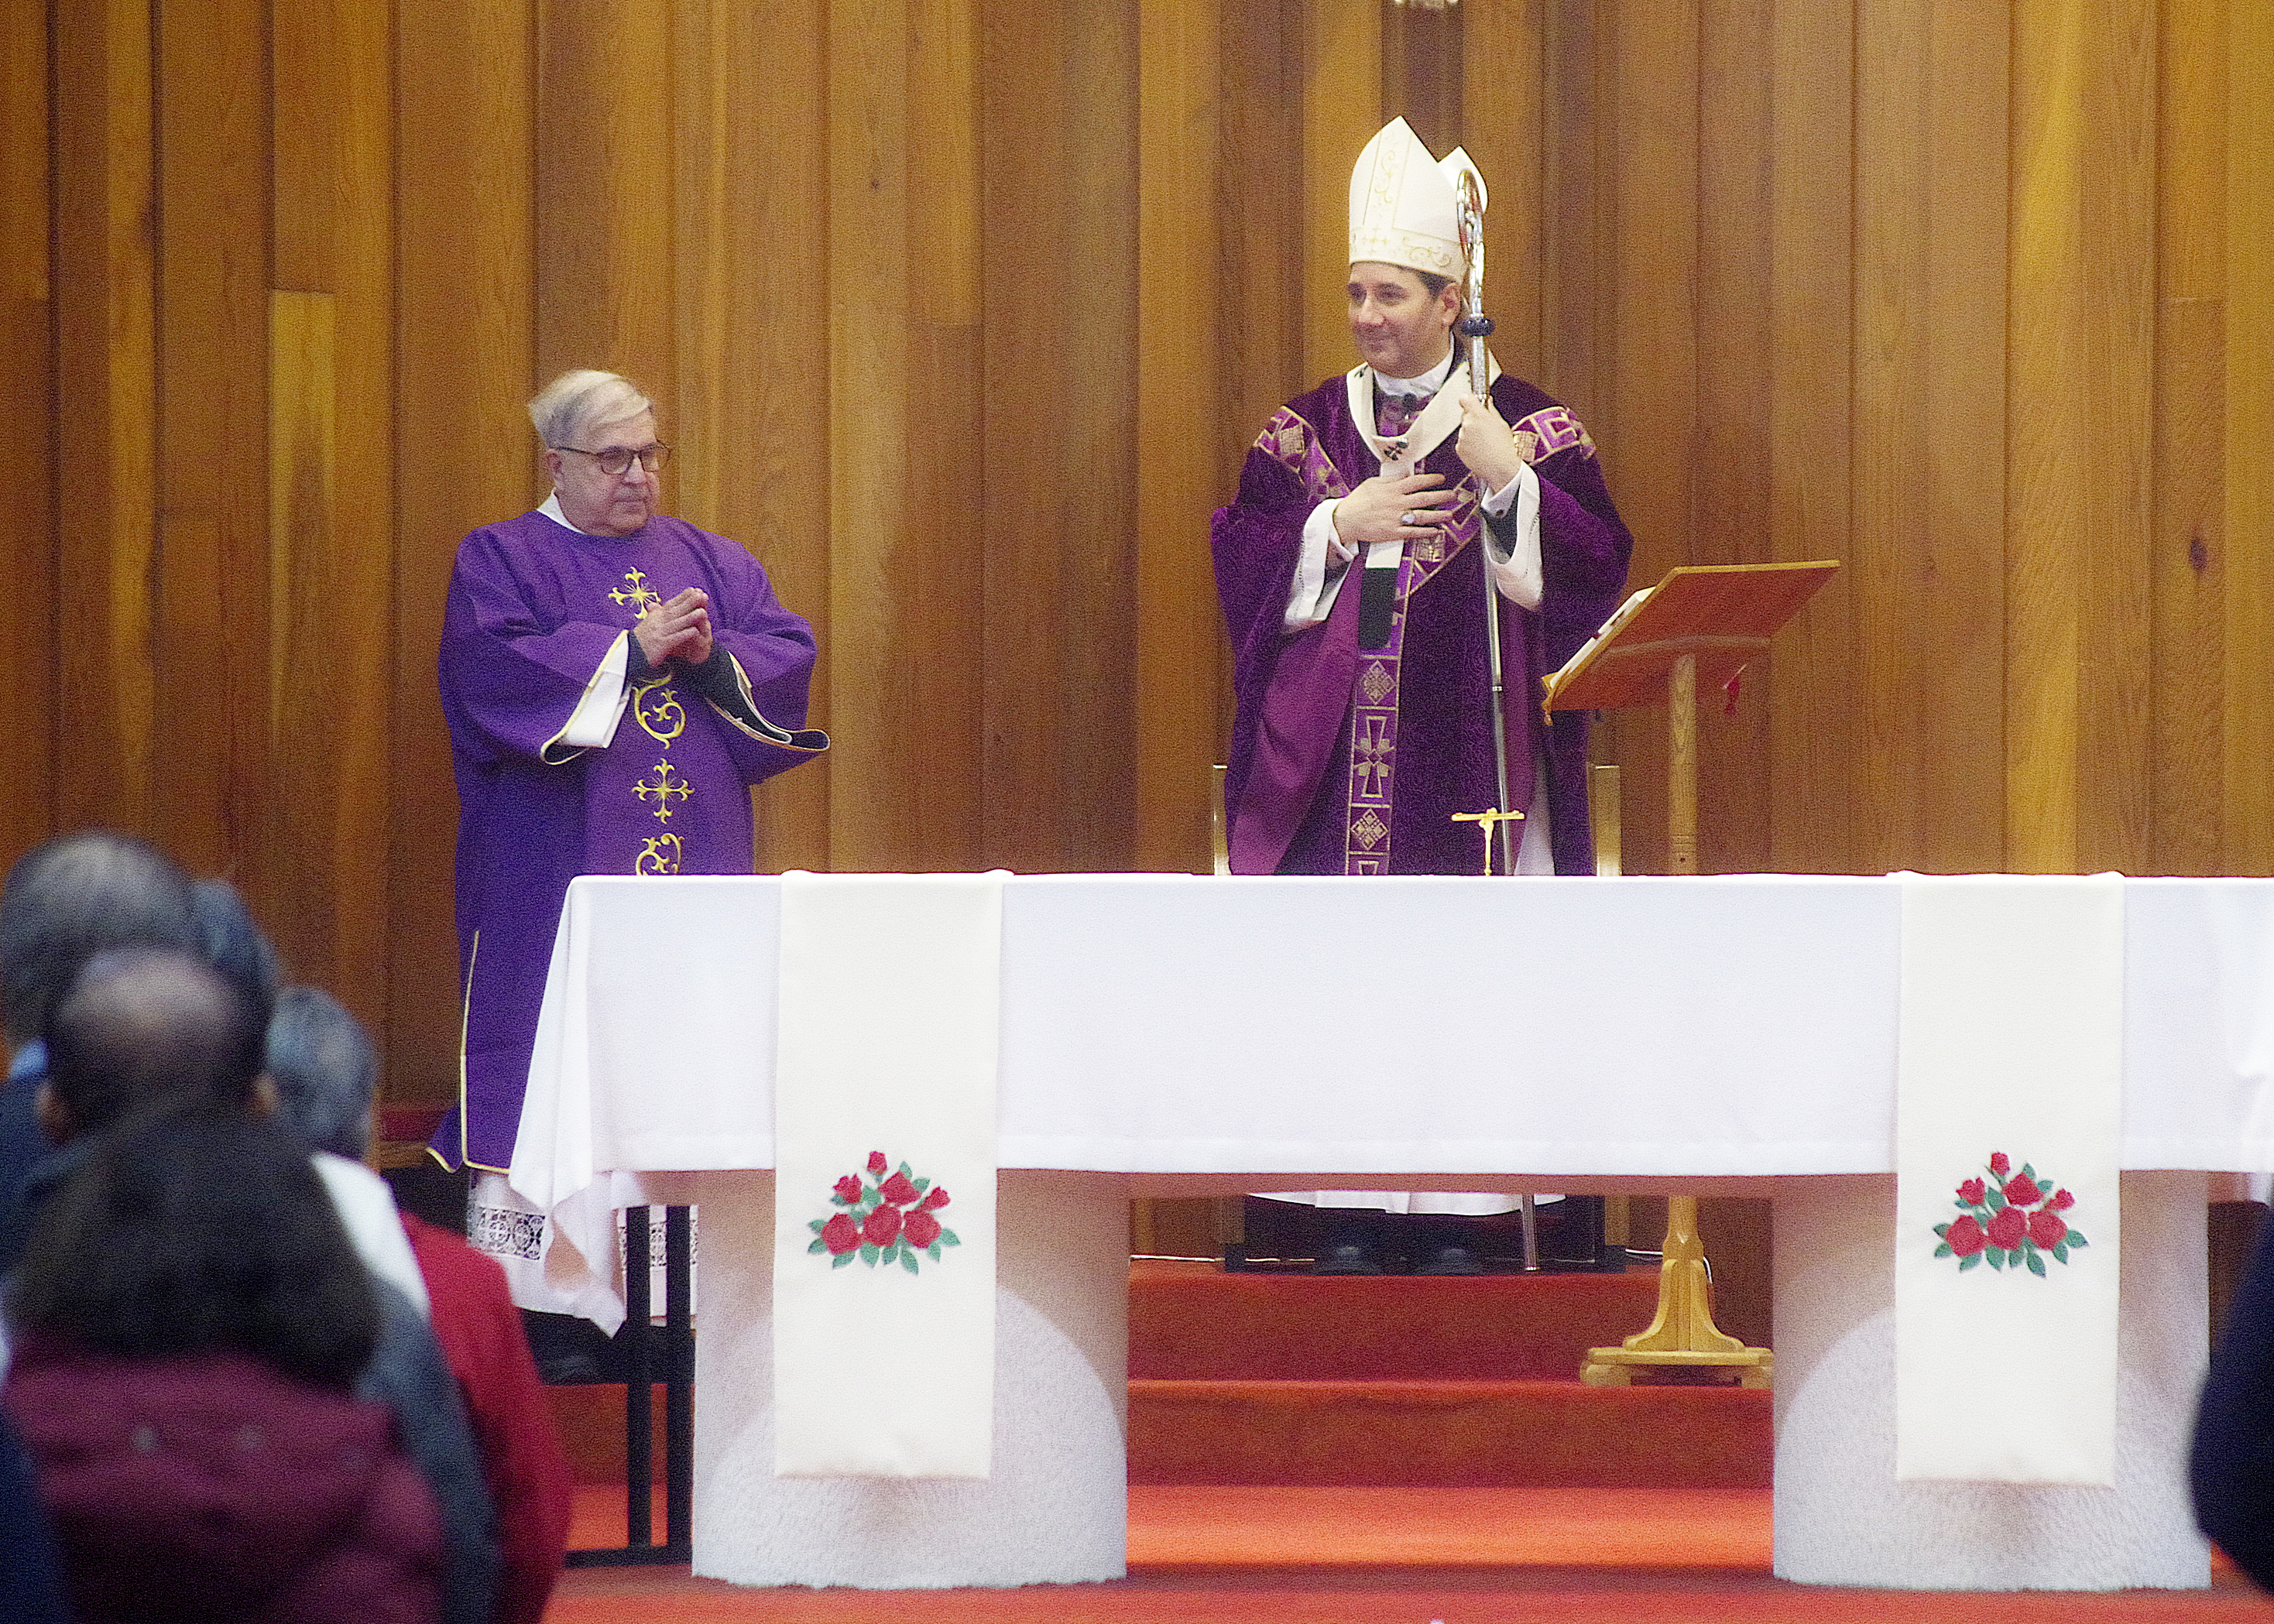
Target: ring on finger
[(1407, 518)]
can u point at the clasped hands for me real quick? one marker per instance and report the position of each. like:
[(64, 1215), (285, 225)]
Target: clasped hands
[(1415, 507), (678, 629)]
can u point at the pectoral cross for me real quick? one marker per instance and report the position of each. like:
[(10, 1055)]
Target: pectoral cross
[(1485, 822)]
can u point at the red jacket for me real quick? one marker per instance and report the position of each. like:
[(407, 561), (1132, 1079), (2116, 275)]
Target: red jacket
[(481, 1332), (213, 1486)]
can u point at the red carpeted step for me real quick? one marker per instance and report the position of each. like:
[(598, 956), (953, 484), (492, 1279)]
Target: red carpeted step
[(1545, 1434), (1198, 1322)]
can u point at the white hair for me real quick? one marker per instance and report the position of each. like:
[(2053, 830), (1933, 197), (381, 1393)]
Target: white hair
[(584, 400)]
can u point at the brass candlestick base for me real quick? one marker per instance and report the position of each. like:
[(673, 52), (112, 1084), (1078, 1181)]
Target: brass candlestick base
[(1683, 1332)]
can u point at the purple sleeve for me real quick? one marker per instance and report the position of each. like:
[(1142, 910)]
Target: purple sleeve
[(512, 668), (775, 649)]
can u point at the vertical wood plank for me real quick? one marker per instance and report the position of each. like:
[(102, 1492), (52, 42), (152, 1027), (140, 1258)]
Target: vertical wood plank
[(465, 265), (27, 682), (2188, 561), (1653, 369), (1175, 621), (750, 270), (1931, 419), (1341, 108), (212, 626), (1814, 676), (106, 406), (1730, 525), (1058, 129), (1503, 95), (331, 577), (604, 202), (2249, 774), (2081, 347)]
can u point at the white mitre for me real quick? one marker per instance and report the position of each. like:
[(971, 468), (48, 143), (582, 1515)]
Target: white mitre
[(1403, 206)]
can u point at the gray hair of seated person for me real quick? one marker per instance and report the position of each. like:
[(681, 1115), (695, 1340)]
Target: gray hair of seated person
[(577, 402), (325, 1069), (73, 897), (233, 943), (141, 1027)]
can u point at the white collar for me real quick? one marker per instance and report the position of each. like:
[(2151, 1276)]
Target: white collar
[(551, 508), (1428, 383)]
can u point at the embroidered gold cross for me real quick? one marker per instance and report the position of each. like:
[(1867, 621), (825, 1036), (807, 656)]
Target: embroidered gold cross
[(1485, 822), (639, 598), (663, 789)]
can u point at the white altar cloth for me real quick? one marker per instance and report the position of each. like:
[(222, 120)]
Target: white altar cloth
[(1559, 1033)]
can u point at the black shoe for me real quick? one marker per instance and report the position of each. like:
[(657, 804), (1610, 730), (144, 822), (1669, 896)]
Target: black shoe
[(1453, 1261), (1346, 1260)]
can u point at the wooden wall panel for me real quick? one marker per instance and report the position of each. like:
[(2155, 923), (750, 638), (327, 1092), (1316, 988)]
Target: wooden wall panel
[(2187, 566), (211, 631), (1729, 523), (331, 484), (106, 416), (963, 317), (464, 256), (1179, 645), (2081, 350), (1342, 108), (2248, 776), (1503, 89), (1813, 676), (1929, 425), (604, 191), (27, 682), (1652, 372), (750, 268), (1058, 159)]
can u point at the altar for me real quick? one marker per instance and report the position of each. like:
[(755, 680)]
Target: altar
[(1172, 1034)]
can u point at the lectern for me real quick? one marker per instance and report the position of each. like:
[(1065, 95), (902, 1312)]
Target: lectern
[(1703, 622)]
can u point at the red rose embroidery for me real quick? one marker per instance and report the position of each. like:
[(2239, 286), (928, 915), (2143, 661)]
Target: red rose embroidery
[(886, 1218), (2002, 1223), (882, 1227), (2007, 1230)]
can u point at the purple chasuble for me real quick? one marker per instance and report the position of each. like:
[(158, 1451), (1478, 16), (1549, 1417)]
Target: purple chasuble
[(534, 608), (1340, 755)]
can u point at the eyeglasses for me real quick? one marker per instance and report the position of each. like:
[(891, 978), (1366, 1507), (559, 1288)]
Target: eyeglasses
[(615, 459)]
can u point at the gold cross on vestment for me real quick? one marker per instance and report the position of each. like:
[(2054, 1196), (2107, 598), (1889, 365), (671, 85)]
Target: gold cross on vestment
[(663, 789), (1485, 822), (639, 598)]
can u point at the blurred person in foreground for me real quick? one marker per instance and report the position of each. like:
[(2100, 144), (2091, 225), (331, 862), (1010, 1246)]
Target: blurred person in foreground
[(189, 1324), (327, 1074)]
